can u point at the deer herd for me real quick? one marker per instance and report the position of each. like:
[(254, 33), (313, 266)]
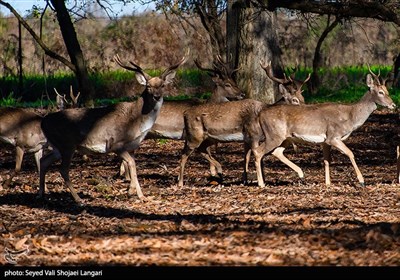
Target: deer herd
[(225, 117)]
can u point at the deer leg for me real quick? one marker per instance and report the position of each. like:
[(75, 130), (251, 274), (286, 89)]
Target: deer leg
[(185, 155), (259, 152), (247, 155), (398, 163), (131, 168), (258, 156), (212, 160), (213, 169), (18, 163), (278, 152), (345, 150), (38, 155), (123, 170), (327, 160), (45, 162), (64, 171)]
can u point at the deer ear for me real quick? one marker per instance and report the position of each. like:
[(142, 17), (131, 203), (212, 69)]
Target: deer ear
[(169, 78), (141, 79), (283, 90), (370, 81), (215, 78)]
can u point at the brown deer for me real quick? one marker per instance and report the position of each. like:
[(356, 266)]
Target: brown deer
[(118, 128), (170, 123), (207, 124), (398, 163), (328, 124), (291, 92), (20, 127)]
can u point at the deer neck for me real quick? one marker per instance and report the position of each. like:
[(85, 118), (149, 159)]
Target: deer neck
[(151, 105), (362, 109), (217, 96)]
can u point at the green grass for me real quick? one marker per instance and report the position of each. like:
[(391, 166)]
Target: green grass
[(344, 84), (340, 84)]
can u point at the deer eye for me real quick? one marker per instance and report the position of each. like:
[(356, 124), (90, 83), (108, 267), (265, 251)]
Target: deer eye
[(381, 92), (227, 85)]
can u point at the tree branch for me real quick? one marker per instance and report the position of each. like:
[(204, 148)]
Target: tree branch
[(386, 11), (37, 38)]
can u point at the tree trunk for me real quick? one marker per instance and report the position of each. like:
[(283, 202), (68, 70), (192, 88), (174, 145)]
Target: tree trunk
[(208, 12), (315, 81), (232, 26), (20, 68), (74, 52), (258, 41), (396, 68)]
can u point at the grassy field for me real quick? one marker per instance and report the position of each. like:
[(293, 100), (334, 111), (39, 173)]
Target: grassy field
[(340, 84)]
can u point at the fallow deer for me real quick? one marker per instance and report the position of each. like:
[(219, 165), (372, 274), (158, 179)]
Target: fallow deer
[(170, 123), (207, 124), (328, 124), (20, 127), (291, 92), (118, 128)]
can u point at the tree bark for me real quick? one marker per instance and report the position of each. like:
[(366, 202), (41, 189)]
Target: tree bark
[(315, 82), (37, 38), (74, 52), (383, 10), (232, 26), (20, 68), (209, 17), (396, 68), (258, 41)]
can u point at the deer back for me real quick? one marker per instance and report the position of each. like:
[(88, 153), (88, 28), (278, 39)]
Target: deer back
[(20, 126)]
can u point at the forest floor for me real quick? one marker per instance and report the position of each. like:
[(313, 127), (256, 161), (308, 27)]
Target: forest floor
[(290, 222)]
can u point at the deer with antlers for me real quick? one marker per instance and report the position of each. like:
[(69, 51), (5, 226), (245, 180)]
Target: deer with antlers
[(118, 128), (170, 123), (207, 124), (328, 124), (291, 92)]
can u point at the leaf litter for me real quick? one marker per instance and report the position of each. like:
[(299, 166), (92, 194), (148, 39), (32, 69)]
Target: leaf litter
[(289, 222)]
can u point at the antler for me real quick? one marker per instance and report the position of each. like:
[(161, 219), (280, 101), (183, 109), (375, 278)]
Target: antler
[(376, 77), (300, 84), (73, 97), (135, 68), (60, 100), (214, 70), (173, 67), (225, 66), (268, 71)]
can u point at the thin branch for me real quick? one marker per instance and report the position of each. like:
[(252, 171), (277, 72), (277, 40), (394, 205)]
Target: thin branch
[(37, 39)]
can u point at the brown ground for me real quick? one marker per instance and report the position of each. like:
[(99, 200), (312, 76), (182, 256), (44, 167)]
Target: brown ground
[(289, 222)]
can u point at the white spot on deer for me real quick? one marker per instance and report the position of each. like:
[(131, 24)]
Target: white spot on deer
[(229, 137), (98, 148), (147, 124), (8, 140), (311, 138)]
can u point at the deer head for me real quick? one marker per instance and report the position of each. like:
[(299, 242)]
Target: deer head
[(154, 85), (294, 87), (222, 76), (378, 89)]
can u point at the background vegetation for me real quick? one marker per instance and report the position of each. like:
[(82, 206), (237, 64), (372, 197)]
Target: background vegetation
[(154, 41)]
